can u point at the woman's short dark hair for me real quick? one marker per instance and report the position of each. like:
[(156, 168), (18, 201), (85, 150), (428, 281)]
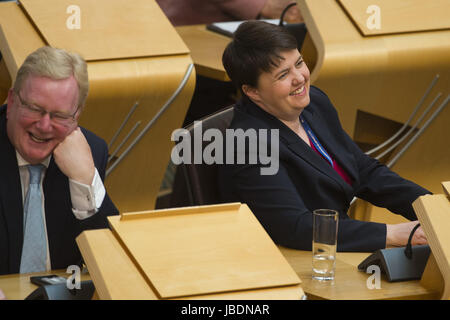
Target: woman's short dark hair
[(255, 48)]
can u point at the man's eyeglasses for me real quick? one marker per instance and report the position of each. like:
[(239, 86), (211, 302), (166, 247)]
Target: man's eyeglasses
[(36, 113)]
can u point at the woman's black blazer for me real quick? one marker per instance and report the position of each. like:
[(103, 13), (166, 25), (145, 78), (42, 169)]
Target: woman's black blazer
[(283, 202)]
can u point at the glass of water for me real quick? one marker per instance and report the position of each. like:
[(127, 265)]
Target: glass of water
[(325, 227)]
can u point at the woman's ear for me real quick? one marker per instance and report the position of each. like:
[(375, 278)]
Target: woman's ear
[(251, 92)]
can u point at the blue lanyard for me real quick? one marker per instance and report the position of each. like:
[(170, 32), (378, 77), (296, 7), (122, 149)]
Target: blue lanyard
[(315, 141)]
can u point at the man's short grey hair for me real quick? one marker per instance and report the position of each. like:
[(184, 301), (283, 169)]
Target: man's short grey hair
[(55, 64)]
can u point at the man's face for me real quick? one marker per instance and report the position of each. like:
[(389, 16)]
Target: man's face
[(35, 137)]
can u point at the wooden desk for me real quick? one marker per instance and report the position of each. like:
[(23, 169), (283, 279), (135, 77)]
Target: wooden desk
[(349, 283), (18, 286), (206, 49)]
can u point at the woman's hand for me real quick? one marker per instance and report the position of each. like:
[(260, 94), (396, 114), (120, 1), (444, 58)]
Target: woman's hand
[(397, 235)]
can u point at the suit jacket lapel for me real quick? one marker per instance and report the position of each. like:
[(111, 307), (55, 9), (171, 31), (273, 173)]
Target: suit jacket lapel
[(11, 197), (301, 149), (304, 151), (334, 149)]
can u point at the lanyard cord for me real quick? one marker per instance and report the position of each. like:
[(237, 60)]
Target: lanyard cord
[(315, 141)]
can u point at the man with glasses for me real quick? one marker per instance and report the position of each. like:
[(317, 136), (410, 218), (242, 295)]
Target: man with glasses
[(51, 170)]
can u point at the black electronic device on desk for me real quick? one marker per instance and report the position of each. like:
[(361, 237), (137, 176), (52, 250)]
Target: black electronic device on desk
[(54, 287), (396, 265), (400, 264), (298, 30)]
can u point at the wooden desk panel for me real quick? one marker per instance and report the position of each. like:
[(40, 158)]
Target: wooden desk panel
[(206, 49), (203, 250), (400, 16), (349, 283), (109, 286), (109, 29), (18, 38), (433, 212)]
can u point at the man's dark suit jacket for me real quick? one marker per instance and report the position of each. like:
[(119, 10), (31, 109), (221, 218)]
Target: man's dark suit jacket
[(283, 203), (62, 226)]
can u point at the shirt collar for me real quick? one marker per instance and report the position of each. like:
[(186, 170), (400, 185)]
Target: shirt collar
[(22, 162)]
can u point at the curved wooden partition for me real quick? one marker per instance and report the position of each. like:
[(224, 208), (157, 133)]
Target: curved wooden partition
[(134, 55)]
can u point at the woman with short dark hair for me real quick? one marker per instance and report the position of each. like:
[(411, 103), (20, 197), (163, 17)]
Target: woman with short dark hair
[(319, 166)]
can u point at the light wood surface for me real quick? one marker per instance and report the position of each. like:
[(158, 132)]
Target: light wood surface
[(373, 74), (134, 183), (109, 29), (206, 49), (432, 277), (115, 86), (132, 285), (210, 252), (104, 271), (349, 283), (187, 252), (14, 28), (446, 187), (400, 16), (433, 212)]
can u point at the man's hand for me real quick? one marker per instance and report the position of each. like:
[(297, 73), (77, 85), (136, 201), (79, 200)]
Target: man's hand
[(397, 235), (2, 295), (74, 158), (273, 8)]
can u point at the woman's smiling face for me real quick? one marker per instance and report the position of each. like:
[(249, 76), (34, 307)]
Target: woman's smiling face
[(284, 91)]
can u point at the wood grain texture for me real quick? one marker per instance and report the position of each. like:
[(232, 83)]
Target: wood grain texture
[(433, 212), (18, 37), (432, 277), (400, 16), (109, 29), (373, 74), (206, 48), (446, 187), (117, 278), (114, 275), (185, 248), (203, 253), (349, 283), (115, 87)]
